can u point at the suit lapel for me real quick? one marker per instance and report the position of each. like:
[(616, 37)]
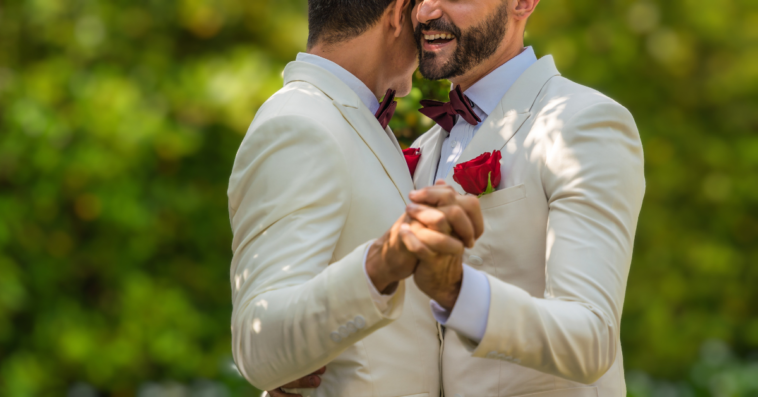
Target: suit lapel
[(493, 135), (430, 158), (381, 142), (382, 145), (510, 114), (393, 139)]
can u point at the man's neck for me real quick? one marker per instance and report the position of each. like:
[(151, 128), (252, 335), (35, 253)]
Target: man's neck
[(360, 56), (478, 72)]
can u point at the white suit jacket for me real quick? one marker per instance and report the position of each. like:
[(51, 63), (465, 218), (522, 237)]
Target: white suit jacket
[(314, 180), (557, 245)]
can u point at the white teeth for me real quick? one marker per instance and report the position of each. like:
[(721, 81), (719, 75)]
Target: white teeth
[(431, 37)]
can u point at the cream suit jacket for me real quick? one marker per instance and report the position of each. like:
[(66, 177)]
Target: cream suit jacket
[(557, 244), (314, 180)]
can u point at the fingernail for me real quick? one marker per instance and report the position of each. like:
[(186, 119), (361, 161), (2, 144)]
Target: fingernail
[(414, 192), (405, 227), (314, 380), (412, 206)]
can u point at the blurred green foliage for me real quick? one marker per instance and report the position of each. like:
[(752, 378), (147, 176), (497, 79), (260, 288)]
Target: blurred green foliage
[(119, 122)]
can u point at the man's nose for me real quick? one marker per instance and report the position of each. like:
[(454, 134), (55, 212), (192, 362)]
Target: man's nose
[(429, 10)]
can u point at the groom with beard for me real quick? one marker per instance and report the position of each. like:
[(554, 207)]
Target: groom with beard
[(560, 171)]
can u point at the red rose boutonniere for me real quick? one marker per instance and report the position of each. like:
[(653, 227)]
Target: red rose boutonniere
[(480, 175), (412, 157)]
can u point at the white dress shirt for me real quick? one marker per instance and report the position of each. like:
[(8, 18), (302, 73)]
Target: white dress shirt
[(469, 316), (369, 99)]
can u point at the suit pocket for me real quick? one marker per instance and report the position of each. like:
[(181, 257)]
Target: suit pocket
[(502, 197), (572, 392)]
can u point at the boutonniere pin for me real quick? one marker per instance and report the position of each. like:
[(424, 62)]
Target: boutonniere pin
[(479, 176), (412, 156)]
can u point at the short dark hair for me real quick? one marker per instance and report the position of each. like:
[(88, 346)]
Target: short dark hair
[(332, 21)]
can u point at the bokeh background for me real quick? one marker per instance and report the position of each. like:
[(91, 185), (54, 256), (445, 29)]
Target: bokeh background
[(119, 123)]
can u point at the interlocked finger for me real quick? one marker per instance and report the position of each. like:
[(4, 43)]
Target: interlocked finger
[(430, 217), (414, 245), (451, 220), (438, 243), (306, 382), (280, 393), (441, 195), (437, 195)]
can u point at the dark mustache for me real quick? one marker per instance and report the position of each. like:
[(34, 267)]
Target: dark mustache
[(437, 24)]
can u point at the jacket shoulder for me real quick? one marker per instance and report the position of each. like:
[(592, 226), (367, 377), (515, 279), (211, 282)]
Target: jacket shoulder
[(565, 98), (297, 100)]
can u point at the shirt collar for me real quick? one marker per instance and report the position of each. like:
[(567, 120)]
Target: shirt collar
[(364, 93), (490, 89)]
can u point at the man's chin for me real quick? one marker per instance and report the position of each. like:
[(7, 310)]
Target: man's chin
[(434, 70), (436, 65)]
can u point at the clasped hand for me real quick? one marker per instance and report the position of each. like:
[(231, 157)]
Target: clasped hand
[(428, 242)]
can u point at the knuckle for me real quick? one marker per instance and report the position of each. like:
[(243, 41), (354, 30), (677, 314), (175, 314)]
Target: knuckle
[(472, 202), (475, 202), (456, 211)]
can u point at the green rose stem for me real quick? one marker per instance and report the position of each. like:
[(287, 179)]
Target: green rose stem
[(490, 189)]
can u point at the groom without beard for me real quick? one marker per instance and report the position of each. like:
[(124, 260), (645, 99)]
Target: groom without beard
[(322, 244)]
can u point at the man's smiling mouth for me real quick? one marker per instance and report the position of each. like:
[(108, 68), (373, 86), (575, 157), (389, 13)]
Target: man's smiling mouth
[(436, 41)]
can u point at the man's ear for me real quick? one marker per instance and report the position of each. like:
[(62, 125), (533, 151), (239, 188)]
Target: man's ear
[(524, 8), (399, 14)]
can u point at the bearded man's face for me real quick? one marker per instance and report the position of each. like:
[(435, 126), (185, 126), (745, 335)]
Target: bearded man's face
[(447, 51)]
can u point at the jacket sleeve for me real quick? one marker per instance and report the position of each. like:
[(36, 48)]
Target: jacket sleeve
[(593, 175), (295, 308)]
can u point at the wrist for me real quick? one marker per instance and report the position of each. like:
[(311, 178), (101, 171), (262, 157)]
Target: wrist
[(448, 297), (377, 271)]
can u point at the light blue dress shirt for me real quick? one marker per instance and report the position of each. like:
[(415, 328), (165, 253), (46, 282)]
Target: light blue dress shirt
[(469, 316)]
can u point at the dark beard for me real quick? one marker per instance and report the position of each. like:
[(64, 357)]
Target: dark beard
[(474, 46)]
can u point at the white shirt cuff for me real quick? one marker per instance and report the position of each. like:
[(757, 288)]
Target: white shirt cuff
[(381, 301), (469, 315)]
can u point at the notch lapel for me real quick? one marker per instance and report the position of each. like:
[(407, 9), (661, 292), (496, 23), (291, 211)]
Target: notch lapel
[(493, 135), (510, 114), (431, 150), (382, 143)]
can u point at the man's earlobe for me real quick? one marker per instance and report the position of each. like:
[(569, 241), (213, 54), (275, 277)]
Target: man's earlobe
[(525, 8)]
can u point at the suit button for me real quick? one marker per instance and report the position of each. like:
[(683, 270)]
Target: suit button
[(351, 328), (336, 338), (474, 260), (343, 331), (360, 322)]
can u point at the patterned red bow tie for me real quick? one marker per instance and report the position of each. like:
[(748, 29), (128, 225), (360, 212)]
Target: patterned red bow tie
[(386, 109), (444, 113)]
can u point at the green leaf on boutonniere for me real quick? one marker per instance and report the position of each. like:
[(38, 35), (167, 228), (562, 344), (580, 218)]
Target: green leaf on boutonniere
[(490, 189)]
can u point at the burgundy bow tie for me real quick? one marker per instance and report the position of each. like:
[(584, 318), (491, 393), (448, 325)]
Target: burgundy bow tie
[(386, 109), (444, 113)]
